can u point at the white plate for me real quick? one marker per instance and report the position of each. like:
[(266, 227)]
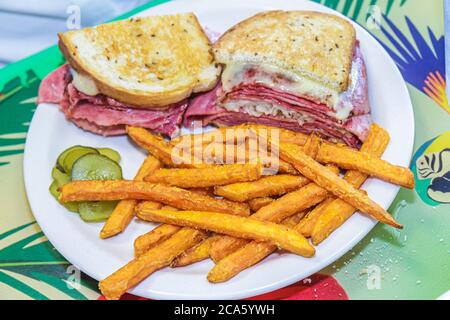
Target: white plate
[(77, 241)]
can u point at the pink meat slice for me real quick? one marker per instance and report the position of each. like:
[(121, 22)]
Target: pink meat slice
[(226, 118), (53, 86), (352, 132), (104, 115), (321, 118)]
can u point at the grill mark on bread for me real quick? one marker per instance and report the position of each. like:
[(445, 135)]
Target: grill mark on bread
[(311, 39), (169, 63)]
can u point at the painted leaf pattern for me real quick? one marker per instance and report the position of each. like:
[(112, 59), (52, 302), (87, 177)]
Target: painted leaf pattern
[(33, 258)]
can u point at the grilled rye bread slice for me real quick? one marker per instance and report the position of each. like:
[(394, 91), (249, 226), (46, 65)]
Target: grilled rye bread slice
[(312, 45), (148, 62)]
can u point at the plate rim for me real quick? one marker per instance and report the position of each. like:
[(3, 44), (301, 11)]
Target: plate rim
[(248, 292)]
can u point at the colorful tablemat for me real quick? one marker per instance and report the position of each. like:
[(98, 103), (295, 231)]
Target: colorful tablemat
[(388, 264)]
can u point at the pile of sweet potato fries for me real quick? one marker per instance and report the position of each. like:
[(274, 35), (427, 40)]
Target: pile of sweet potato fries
[(237, 212)]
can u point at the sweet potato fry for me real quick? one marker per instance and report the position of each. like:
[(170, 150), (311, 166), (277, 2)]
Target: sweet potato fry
[(307, 224), (162, 150), (150, 164), (280, 209), (247, 255), (264, 187), (258, 203), (329, 181), (235, 133), (286, 168), (337, 212), (120, 218), (333, 216), (224, 246), (260, 146), (240, 153), (223, 146), (124, 211), (150, 239), (219, 153), (224, 135), (350, 159), (206, 177), (95, 190), (375, 144), (237, 261), (291, 203), (285, 135), (170, 207), (195, 254), (294, 220), (214, 147), (203, 191), (240, 227), (169, 153), (115, 285), (312, 145)]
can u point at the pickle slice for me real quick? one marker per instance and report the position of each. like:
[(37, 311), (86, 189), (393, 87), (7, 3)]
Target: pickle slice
[(60, 177), (74, 155), (71, 206), (62, 156), (96, 167), (86, 163), (110, 153), (96, 211), (54, 190)]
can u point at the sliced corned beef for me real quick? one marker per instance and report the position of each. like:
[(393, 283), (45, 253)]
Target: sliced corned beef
[(103, 115), (301, 113)]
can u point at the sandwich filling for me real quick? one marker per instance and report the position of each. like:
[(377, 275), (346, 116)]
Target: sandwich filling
[(268, 95), (79, 100), (84, 84)]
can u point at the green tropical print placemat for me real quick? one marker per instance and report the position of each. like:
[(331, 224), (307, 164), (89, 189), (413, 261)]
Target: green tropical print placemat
[(387, 264)]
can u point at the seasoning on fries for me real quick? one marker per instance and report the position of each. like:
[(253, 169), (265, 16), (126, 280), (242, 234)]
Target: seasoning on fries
[(206, 177), (240, 227)]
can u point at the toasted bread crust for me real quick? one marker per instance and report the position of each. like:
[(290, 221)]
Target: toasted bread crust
[(315, 45), (178, 75)]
